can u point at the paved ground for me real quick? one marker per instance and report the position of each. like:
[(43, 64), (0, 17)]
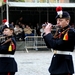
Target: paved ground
[(34, 62)]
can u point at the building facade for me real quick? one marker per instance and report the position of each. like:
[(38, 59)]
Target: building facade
[(37, 11)]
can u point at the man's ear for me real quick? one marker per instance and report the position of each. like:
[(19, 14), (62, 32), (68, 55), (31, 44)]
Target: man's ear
[(68, 21), (12, 31)]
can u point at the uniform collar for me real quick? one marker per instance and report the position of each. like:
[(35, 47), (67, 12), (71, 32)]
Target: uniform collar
[(62, 29)]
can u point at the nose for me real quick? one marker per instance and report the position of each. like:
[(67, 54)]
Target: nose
[(58, 22)]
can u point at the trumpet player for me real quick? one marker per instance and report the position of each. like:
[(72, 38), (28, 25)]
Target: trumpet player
[(8, 65), (62, 42)]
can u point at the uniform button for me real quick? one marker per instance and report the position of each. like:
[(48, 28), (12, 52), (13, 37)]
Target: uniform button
[(54, 56)]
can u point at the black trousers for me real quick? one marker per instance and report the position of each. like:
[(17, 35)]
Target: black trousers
[(5, 73), (60, 74)]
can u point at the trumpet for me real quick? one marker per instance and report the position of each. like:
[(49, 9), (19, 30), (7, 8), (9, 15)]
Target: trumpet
[(2, 38), (52, 24), (55, 27)]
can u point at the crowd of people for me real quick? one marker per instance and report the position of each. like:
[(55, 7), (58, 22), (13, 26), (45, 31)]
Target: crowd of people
[(22, 30)]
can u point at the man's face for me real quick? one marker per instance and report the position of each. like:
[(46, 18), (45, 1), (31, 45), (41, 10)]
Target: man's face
[(62, 22), (7, 32)]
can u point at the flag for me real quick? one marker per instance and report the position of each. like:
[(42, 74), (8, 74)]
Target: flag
[(65, 36)]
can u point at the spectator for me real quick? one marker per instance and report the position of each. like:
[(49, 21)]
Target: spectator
[(18, 32), (12, 23), (42, 29), (20, 21), (38, 29), (23, 26), (28, 31)]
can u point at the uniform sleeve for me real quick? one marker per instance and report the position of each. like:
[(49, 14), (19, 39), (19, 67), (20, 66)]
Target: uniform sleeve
[(8, 47), (14, 43), (51, 42), (72, 35), (4, 47)]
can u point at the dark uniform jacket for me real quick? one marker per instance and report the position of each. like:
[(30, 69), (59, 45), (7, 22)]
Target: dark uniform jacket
[(7, 64), (64, 40)]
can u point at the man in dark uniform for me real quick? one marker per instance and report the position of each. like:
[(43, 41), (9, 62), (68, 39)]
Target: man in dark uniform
[(62, 43), (8, 65)]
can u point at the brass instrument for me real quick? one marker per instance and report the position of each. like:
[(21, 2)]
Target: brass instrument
[(2, 38), (55, 26)]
